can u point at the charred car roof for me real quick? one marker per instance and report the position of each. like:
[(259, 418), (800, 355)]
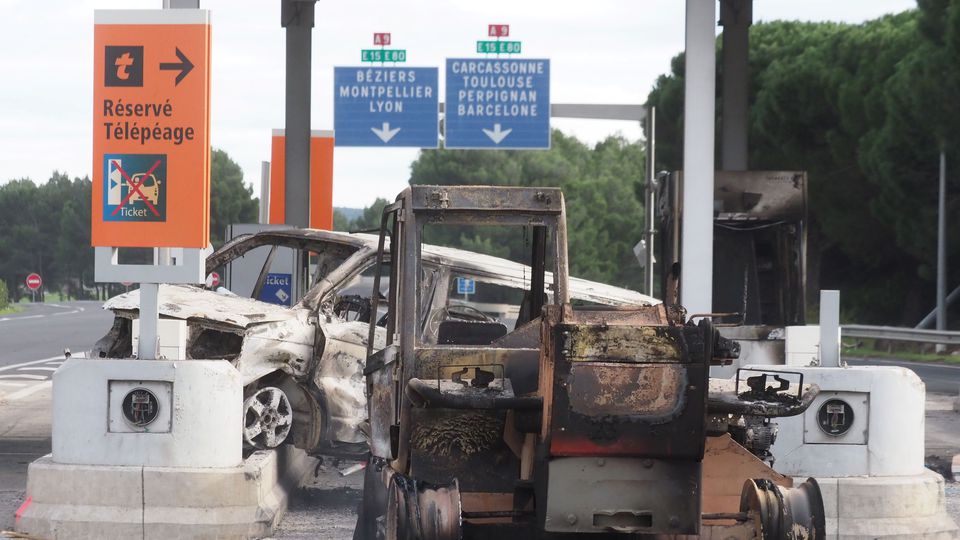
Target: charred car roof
[(494, 269)]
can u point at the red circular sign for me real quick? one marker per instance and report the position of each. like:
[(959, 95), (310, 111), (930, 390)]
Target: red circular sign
[(34, 281), (214, 279)]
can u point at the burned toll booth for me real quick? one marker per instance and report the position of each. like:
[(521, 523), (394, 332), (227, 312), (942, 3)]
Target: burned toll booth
[(759, 243)]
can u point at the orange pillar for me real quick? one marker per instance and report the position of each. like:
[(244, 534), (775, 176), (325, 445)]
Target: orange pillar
[(321, 179)]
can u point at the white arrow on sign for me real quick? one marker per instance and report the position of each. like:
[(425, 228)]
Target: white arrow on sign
[(496, 135), (385, 133)]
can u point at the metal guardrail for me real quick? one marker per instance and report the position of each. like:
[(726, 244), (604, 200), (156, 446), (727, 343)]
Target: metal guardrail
[(895, 333)]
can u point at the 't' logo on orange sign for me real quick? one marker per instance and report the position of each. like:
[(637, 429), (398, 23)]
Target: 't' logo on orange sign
[(123, 66)]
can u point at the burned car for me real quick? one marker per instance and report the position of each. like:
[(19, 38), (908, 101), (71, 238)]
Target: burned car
[(302, 365)]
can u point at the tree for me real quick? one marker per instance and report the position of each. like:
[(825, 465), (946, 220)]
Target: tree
[(604, 219), (863, 109), (370, 219), (231, 199), (74, 256), (340, 221), (46, 228)]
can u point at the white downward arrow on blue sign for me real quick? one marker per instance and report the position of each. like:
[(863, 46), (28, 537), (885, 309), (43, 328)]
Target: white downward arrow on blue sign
[(385, 133), (496, 135)]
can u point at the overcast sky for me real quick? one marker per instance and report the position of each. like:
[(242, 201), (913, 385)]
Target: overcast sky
[(601, 51)]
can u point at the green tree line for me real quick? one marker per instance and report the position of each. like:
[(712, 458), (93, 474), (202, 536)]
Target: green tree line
[(865, 110), (604, 216), (45, 228)]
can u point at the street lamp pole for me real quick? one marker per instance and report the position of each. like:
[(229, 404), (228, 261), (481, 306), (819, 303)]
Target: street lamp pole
[(942, 250)]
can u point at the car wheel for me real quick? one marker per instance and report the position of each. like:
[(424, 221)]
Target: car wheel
[(267, 418)]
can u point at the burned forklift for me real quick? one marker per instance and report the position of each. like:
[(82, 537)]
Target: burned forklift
[(580, 421)]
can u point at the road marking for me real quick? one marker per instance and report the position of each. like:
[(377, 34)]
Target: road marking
[(25, 376), (31, 363), (9, 383), (41, 368), (74, 309), (20, 394), (22, 318)]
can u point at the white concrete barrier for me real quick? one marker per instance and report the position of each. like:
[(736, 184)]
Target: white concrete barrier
[(886, 437), (180, 475), (101, 502), (198, 422), (871, 472), (887, 507)]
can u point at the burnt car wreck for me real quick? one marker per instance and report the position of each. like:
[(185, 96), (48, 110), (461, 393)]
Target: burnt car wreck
[(302, 365), (581, 420)]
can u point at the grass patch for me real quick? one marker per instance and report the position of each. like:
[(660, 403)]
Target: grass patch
[(913, 356), (12, 308)]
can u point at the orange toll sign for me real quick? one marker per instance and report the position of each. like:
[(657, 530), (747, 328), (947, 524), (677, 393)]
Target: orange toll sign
[(151, 128)]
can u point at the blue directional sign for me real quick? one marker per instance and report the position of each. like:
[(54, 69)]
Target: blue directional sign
[(466, 285), (497, 103), (385, 106)]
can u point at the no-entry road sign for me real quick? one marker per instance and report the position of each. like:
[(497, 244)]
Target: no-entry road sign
[(34, 281), (385, 106), (497, 104), (151, 124)]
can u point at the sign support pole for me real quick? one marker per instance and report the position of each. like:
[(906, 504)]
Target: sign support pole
[(651, 202), (696, 273), (149, 321), (160, 44), (942, 250), (150, 292), (297, 18)]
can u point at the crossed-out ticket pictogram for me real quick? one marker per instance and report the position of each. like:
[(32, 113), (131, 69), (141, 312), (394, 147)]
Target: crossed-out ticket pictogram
[(135, 187)]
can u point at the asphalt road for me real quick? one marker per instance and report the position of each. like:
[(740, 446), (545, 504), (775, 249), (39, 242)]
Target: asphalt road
[(44, 330), (31, 348), (939, 378)]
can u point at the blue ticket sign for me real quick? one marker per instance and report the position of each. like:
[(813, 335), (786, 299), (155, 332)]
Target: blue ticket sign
[(277, 289), (466, 285), (385, 106), (497, 103)]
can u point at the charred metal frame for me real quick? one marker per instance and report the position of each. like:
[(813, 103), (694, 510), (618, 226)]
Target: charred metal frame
[(418, 206), (750, 206), (513, 448)]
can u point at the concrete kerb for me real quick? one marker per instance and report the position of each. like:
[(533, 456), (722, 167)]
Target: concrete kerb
[(888, 508), (95, 501)]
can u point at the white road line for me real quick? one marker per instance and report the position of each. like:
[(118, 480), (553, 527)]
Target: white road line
[(25, 376), (31, 363), (55, 363), (74, 309), (21, 318), (39, 368), (9, 383), (19, 394)]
